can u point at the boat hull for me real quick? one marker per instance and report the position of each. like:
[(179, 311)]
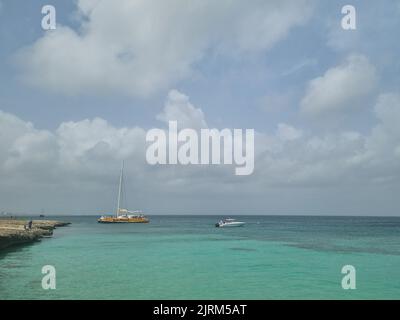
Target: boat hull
[(230, 225), (123, 220)]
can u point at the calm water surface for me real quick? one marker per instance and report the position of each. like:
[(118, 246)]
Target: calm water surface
[(186, 257)]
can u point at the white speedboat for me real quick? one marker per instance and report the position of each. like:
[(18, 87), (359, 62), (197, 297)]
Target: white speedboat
[(229, 223)]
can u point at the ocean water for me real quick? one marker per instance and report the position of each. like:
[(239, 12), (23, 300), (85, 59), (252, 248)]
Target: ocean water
[(186, 257)]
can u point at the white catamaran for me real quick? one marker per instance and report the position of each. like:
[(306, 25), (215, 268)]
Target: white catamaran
[(123, 215)]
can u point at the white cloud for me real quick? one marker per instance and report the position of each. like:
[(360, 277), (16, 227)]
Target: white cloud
[(178, 108), (139, 47), (387, 109), (385, 137), (80, 160), (339, 158), (341, 88), (287, 132)]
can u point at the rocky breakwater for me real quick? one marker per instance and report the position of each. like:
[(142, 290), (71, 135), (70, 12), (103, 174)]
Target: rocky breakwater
[(15, 231)]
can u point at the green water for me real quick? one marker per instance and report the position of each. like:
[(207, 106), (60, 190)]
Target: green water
[(188, 258)]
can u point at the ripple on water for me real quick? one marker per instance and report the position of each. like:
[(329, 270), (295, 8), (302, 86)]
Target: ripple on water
[(243, 249), (344, 249)]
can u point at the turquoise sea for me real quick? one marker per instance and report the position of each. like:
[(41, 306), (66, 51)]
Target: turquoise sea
[(186, 257)]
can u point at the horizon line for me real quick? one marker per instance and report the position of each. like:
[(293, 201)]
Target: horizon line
[(211, 215)]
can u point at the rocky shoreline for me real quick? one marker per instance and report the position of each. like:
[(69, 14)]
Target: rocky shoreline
[(12, 231)]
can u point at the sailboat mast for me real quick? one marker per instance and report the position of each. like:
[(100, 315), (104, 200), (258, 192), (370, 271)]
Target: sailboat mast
[(120, 188)]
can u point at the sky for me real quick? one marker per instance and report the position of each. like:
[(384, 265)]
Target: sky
[(324, 103)]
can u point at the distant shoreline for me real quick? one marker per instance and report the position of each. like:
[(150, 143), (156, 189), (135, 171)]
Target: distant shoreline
[(13, 232)]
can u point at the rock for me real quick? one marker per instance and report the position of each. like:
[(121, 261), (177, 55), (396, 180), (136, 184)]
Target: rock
[(12, 232)]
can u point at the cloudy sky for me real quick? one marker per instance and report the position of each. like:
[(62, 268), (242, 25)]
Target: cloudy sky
[(324, 103)]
